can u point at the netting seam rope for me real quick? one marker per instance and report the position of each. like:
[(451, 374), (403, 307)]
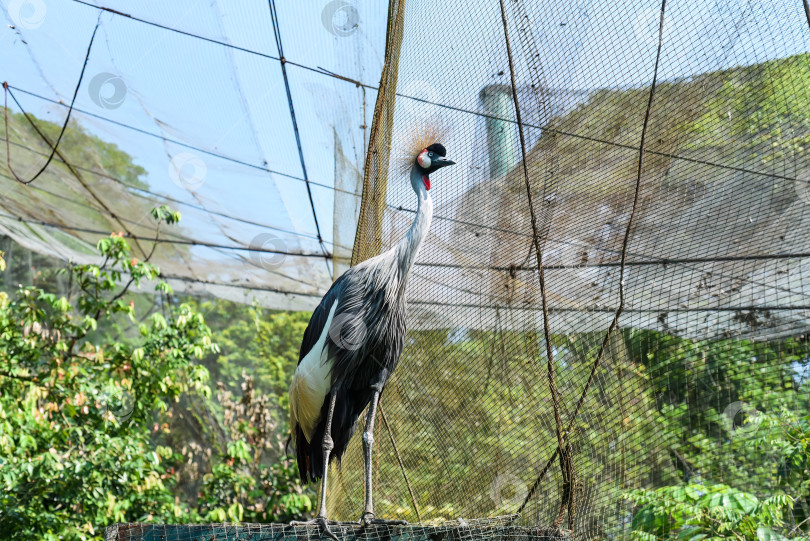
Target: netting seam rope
[(806, 11), (283, 61), (6, 92), (535, 239), (371, 171), (401, 463), (377, 158), (625, 243), (357, 83), (179, 241), (72, 170)]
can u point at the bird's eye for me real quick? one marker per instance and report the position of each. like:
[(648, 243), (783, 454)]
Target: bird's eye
[(430, 154)]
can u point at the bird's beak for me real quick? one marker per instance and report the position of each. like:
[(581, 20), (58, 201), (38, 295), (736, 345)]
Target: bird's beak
[(442, 162)]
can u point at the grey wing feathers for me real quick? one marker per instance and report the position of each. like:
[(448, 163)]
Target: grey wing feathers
[(319, 317)]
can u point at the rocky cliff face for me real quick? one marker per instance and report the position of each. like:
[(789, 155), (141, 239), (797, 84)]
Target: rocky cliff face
[(720, 235)]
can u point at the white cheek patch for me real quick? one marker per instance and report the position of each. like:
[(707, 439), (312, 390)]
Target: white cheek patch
[(423, 160)]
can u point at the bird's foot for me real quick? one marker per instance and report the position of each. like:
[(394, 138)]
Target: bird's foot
[(323, 523), (368, 519)]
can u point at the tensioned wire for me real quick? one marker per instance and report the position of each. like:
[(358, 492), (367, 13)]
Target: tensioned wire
[(659, 260)]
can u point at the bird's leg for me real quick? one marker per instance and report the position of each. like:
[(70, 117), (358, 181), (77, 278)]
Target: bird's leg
[(327, 447), (368, 441), (328, 444)]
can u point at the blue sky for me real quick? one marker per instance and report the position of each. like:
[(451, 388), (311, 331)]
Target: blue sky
[(223, 100)]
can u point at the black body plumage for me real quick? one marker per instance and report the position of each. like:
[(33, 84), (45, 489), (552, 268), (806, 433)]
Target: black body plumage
[(352, 346), (365, 343)]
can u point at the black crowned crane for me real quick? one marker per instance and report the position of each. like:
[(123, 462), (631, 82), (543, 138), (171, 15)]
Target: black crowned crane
[(352, 345)]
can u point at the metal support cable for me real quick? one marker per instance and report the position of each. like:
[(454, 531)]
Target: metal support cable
[(555, 400), (279, 45), (6, 92), (357, 83), (628, 230)]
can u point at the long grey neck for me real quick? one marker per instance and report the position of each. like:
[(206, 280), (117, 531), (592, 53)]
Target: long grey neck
[(408, 247)]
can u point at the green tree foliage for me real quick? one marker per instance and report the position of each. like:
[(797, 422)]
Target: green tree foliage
[(734, 413), (258, 352), (254, 483), (76, 414), (77, 146), (86, 413), (695, 512)]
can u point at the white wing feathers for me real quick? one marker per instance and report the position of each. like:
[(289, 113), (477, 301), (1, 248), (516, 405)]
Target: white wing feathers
[(311, 384)]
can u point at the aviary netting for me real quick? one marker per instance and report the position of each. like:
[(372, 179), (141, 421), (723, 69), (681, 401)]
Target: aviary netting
[(626, 254), (612, 296)]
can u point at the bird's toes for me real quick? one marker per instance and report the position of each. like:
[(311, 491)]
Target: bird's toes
[(324, 524)]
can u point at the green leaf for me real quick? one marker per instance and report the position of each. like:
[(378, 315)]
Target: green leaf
[(766, 534), (731, 500)]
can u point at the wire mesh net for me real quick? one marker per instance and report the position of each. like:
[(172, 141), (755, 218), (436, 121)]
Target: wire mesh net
[(460, 530), (655, 156), (623, 242)]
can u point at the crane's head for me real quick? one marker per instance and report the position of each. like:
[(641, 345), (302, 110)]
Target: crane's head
[(430, 159)]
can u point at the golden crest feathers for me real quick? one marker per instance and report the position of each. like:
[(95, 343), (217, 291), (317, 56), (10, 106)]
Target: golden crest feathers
[(418, 137)]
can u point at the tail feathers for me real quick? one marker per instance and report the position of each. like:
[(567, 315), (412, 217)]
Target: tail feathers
[(309, 454), (309, 457)]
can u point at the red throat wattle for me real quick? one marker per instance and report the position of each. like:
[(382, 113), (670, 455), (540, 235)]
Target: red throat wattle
[(426, 180)]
